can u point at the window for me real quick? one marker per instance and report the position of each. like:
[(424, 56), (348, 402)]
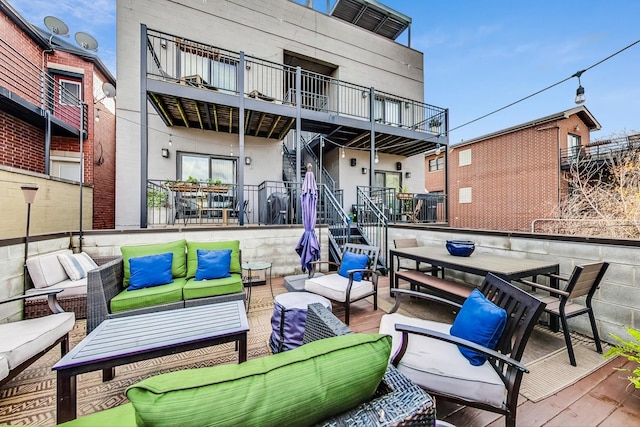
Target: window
[(464, 195), (464, 157), (67, 167), (388, 179), (387, 111), (209, 69), (69, 92), (436, 164), (203, 167), (573, 144)]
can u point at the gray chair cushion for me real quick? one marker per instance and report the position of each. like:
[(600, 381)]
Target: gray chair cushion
[(24, 339), (70, 288), (439, 367), (334, 287), (45, 270)]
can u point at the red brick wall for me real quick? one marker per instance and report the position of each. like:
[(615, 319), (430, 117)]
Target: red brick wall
[(434, 181), (21, 144), (104, 189), (514, 178), (26, 81)]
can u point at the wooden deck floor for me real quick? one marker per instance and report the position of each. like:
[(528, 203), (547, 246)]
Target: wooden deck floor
[(599, 399)]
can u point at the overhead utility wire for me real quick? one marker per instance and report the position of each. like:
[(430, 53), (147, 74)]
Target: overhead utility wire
[(577, 74)]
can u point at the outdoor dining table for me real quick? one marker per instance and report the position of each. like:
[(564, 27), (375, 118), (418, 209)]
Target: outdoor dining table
[(480, 264)]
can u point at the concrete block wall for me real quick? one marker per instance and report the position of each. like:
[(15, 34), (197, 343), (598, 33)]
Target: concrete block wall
[(270, 244), (11, 272), (56, 207), (617, 301)]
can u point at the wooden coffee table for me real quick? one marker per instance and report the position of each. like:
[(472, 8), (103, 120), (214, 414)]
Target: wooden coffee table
[(131, 339)]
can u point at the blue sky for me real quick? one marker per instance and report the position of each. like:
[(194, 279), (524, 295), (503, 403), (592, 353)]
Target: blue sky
[(479, 56)]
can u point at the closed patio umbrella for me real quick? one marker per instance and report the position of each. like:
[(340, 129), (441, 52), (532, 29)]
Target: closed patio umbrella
[(308, 247)]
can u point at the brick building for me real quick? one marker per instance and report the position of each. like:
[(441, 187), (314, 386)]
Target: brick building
[(506, 179), (43, 82)]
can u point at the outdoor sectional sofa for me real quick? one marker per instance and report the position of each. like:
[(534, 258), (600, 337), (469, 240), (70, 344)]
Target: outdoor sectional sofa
[(108, 297), (344, 380)]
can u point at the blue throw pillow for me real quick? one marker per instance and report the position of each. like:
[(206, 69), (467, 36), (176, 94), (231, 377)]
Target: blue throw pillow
[(353, 261), (480, 321), (213, 264), (152, 270)]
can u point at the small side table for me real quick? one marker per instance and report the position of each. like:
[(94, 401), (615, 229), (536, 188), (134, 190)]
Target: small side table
[(252, 266)]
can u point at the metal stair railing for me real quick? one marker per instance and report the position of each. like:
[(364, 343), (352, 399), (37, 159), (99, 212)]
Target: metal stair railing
[(372, 223), (326, 177), (333, 215), (288, 167)]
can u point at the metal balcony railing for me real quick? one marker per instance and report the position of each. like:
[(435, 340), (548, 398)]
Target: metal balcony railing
[(36, 86), (599, 150), (188, 62), (204, 203)]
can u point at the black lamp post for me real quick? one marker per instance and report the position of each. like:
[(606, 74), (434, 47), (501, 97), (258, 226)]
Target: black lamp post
[(29, 192)]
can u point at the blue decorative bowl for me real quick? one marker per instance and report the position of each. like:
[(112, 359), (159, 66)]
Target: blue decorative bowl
[(460, 247)]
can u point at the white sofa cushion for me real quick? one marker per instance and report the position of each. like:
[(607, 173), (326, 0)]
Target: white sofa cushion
[(439, 366), (70, 288), (24, 339), (77, 265), (334, 287), (45, 270), (4, 367)]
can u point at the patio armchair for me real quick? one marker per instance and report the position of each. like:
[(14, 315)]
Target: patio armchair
[(584, 281), (25, 341), (356, 278), (431, 353)]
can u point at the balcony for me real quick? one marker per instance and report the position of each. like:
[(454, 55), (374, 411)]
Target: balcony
[(29, 93), (194, 85), (598, 151)]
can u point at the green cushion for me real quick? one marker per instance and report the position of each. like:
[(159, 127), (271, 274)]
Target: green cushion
[(213, 287), (121, 416), (146, 297), (192, 255), (178, 248), (301, 386)]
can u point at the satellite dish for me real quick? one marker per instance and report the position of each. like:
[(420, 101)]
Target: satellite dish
[(56, 26), (86, 41), (108, 89)]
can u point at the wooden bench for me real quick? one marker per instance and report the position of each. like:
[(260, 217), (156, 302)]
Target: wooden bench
[(455, 291)]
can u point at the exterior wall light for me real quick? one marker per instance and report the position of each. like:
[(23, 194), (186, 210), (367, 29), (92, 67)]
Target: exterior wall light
[(165, 153)]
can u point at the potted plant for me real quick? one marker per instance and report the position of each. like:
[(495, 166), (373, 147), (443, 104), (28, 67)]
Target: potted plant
[(434, 125), (157, 204), (630, 349), (216, 186), (406, 200)]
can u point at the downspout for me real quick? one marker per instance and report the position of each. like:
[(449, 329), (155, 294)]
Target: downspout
[(559, 170), (144, 132), (298, 124), (446, 170), (241, 114), (47, 142), (47, 112), (372, 137)]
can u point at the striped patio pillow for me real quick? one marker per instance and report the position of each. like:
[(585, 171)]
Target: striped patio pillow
[(77, 265)]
